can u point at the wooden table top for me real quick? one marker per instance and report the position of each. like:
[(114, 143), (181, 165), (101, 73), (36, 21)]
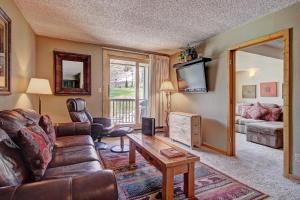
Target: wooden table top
[(153, 144)]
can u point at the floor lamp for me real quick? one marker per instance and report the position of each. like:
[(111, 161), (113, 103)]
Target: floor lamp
[(167, 88), (39, 86)]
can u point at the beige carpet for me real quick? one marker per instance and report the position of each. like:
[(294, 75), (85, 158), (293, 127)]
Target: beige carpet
[(255, 165)]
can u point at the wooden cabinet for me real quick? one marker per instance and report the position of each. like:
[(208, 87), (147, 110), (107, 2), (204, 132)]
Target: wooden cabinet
[(185, 128)]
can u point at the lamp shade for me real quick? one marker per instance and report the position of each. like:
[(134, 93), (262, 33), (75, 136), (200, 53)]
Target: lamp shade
[(39, 86), (167, 86)]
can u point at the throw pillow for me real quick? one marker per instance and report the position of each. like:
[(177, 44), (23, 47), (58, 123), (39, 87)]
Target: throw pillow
[(12, 167), (35, 149), (273, 114), (47, 126), (257, 111), (244, 110)]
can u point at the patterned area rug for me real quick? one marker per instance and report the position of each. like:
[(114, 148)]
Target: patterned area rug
[(144, 182)]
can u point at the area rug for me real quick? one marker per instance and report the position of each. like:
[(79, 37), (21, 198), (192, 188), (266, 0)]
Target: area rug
[(144, 181)]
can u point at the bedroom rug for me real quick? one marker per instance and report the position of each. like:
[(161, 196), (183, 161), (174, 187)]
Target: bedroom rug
[(144, 181)]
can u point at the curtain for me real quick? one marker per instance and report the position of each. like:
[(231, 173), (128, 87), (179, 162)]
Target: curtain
[(159, 72)]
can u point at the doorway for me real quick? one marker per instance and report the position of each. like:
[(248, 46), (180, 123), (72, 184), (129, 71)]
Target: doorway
[(126, 88), (284, 36)]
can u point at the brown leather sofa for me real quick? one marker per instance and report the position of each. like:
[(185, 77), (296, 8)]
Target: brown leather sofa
[(75, 171)]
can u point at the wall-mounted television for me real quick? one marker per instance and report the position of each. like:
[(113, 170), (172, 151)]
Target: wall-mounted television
[(191, 76)]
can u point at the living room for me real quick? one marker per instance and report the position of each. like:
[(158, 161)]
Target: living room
[(126, 31)]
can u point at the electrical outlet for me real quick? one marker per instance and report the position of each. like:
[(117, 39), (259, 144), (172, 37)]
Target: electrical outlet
[(297, 157)]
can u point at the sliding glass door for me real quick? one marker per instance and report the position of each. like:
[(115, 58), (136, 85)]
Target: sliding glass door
[(128, 91)]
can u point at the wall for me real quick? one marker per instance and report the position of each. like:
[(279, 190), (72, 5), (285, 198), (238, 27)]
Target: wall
[(213, 106), (22, 59), (262, 66), (53, 105)]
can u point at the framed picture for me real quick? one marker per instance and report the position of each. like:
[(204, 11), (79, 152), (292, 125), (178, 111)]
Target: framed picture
[(249, 91), (268, 89)]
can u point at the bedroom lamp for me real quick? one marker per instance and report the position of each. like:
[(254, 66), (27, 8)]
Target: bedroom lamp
[(39, 86), (167, 88)]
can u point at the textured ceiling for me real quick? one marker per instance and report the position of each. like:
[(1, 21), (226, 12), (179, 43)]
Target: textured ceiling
[(152, 25)]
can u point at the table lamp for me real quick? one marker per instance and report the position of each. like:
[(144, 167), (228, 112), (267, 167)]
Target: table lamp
[(167, 88), (39, 86)]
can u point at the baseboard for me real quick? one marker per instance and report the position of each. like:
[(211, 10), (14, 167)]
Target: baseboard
[(221, 151)]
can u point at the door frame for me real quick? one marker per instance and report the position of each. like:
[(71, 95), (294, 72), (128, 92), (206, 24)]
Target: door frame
[(287, 97), (122, 55)]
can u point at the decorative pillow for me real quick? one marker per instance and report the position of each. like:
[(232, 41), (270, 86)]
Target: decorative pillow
[(34, 144), (12, 167), (273, 114), (257, 111), (47, 126), (239, 106), (244, 112)]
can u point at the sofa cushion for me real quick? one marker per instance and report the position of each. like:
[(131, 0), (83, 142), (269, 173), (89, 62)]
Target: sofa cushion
[(73, 155), (268, 128), (31, 116), (270, 105), (243, 121), (11, 122), (47, 125), (72, 170), (35, 148), (71, 141), (12, 167)]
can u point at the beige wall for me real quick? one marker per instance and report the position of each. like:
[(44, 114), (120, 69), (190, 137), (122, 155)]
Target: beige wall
[(213, 105), (53, 105), (22, 59)]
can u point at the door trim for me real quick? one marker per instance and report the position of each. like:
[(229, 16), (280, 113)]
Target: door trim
[(287, 97)]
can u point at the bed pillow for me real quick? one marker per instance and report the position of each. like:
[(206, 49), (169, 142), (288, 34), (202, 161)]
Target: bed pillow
[(35, 149)]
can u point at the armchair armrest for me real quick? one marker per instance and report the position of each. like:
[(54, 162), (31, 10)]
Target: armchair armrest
[(102, 120), (72, 128), (98, 185)]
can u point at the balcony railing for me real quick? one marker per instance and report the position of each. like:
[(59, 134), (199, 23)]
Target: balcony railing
[(122, 111)]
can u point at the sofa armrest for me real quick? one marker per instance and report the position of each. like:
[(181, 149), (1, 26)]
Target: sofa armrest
[(98, 185), (72, 128)]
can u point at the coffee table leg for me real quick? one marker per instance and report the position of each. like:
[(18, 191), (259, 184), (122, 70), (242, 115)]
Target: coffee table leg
[(131, 153), (168, 184), (189, 181)]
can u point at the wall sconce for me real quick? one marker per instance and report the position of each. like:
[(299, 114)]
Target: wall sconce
[(252, 72)]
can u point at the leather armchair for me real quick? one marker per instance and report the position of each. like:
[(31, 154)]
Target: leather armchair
[(100, 126)]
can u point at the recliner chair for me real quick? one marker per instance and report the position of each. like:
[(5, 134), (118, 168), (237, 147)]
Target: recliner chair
[(100, 126)]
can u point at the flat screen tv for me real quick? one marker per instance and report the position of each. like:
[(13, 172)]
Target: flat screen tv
[(192, 78)]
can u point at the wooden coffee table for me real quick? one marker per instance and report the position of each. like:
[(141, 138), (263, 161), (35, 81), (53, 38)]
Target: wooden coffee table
[(149, 147)]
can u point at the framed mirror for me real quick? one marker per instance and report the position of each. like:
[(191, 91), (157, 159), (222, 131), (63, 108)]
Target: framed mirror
[(72, 73), (5, 45)]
